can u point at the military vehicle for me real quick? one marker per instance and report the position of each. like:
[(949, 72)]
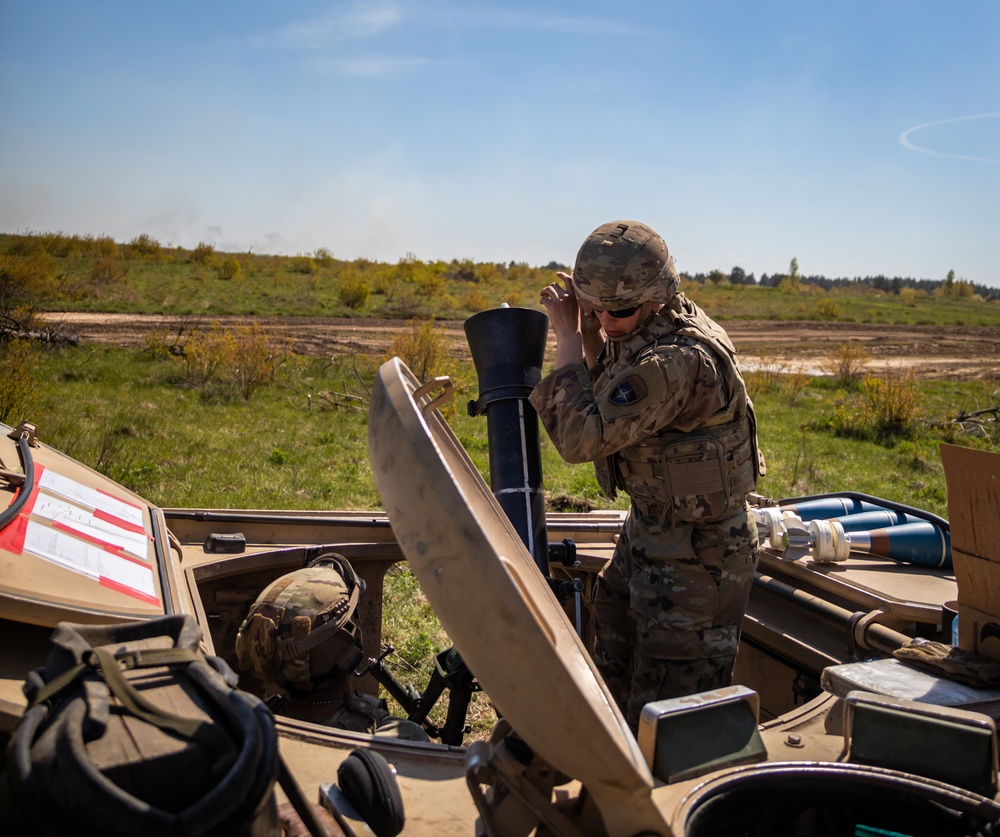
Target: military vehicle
[(823, 731)]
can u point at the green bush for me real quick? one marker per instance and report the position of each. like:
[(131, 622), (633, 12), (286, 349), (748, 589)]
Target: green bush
[(234, 359), (827, 309), (423, 347), (887, 411), (26, 282), (204, 253), (145, 246), (302, 264), (353, 290), (229, 268), (848, 364), (107, 270), (18, 390)]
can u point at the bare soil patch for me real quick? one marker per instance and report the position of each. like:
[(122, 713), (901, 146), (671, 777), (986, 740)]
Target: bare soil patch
[(954, 352)]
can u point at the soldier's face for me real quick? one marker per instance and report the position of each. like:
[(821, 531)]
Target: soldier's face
[(620, 326)]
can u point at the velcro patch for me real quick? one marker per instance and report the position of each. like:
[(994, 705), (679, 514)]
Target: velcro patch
[(640, 389), (630, 391)]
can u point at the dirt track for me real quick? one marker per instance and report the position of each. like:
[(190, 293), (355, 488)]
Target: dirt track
[(967, 353)]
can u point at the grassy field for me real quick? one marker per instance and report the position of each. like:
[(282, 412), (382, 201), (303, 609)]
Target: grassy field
[(134, 415), (86, 274)]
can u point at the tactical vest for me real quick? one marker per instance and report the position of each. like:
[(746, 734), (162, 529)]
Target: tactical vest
[(707, 472)]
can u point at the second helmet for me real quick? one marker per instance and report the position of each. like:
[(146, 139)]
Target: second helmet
[(299, 632)]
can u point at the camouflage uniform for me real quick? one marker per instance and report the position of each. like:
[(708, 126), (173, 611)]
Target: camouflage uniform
[(299, 636), (355, 712), (665, 417)]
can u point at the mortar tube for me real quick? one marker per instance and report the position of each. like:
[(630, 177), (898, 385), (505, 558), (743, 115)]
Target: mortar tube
[(508, 349)]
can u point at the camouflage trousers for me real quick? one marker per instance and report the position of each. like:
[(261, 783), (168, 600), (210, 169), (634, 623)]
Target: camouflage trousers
[(355, 712), (668, 608)]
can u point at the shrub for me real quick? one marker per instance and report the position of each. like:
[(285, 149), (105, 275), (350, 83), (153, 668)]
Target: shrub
[(106, 270), (26, 282), (848, 364), (98, 246), (890, 405), (475, 300), (768, 370), (256, 357), (204, 253), (302, 264), (790, 284), (229, 268), (18, 390), (206, 353), (827, 309), (462, 271), (887, 411), (145, 246), (430, 282), (422, 347), (353, 290), (157, 343), (241, 358)]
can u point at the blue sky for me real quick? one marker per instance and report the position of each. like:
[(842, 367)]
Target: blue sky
[(858, 137)]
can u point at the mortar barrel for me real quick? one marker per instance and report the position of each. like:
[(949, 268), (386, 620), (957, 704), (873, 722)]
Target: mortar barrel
[(508, 349)]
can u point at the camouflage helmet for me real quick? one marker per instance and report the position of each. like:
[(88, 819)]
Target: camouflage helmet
[(624, 263), (299, 632)]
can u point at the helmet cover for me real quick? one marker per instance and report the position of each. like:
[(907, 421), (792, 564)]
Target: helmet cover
[(624, 263), (299, 632)]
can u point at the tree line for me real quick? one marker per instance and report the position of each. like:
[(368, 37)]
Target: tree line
[(949, 286)]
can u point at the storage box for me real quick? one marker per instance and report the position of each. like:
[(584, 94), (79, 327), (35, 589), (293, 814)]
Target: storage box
[(973, 478)]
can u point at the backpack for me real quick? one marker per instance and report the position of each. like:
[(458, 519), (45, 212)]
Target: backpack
[(132, 730)]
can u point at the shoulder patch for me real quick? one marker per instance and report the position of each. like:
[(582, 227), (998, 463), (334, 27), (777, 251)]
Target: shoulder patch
[(630, 391)]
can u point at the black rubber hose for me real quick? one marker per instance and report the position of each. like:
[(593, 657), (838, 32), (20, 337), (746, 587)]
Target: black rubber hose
[(28, 466)]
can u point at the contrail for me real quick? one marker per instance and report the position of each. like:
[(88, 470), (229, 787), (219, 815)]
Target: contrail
[(904, 138)]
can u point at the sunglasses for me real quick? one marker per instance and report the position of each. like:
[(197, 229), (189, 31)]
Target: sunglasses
[(621, 313)]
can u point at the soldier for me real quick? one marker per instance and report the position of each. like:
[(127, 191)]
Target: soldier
[(299, 637), (659, 405)]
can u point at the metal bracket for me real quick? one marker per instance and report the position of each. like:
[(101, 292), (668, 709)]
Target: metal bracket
[(27, 431), (442, 382)]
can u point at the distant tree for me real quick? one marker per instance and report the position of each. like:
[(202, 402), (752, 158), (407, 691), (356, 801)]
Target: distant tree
[(462, 271), (948, 286), (717, 277), (793, 280), (737, 276), (962, 289)]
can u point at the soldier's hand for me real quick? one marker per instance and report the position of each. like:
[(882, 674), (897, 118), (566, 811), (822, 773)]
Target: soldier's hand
[(560, 303)]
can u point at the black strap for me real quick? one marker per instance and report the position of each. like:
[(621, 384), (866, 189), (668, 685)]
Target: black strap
[(208, 735)]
